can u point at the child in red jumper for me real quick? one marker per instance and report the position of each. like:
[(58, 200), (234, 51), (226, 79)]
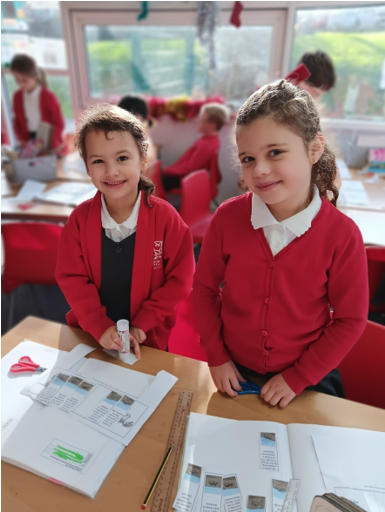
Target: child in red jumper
[(34, 102), (286, 256), (124, 253), (212, 117)]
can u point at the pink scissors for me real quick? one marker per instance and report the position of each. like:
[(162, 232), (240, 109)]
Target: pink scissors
[(25, 364)]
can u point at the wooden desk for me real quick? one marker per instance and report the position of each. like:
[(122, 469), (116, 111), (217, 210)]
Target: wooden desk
[(128, 483), (375, 191), (38, 212), (371, 224)]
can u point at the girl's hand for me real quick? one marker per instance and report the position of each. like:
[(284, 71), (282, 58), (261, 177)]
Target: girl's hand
[(226, 377), (137, 337), (276, 390), (110, 339)]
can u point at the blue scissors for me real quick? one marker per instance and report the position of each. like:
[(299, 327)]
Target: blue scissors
[(249, 388)]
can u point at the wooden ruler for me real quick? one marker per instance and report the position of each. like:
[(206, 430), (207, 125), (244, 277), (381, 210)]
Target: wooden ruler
[(163, 491)]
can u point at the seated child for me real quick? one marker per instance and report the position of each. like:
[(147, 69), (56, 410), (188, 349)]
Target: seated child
[(33, 102), (124, 254), (212, 117)]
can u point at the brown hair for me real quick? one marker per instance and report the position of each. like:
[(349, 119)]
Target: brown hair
[(293, 107), (321, 69), (26, 65), (216, 113), (108, 118)]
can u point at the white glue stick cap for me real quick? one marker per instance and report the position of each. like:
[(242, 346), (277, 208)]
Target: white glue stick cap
[(122, 325)]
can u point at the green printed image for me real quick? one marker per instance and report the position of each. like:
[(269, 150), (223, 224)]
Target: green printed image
[(66, 454)]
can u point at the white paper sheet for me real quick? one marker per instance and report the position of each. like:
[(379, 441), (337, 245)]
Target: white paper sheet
[(112, 411), (29, 190), (13, 403), (130, 358), (354, 459), (343, 169), (68, 194), (353, 193), (116, 377), (226, 447), (54, 445)]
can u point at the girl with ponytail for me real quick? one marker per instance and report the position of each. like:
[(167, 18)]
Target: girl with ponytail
[(34, 102), (295, 294)]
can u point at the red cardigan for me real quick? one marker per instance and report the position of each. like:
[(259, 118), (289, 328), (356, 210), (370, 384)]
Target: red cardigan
[(162, 271), (198, 156), (50, 112), (273, 313)]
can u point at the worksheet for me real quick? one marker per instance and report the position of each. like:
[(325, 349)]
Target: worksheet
[(264, 456), (14, 404), (112, 411)]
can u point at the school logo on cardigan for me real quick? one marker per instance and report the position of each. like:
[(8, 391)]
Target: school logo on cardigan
[(158, 255)]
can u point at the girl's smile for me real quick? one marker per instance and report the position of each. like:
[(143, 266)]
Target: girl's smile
[(267, 186)]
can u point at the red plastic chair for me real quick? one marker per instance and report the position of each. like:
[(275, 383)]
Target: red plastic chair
[(154, 172), (362, 370), (195, 207), (30, 253), (376, 272), (215, 177), (184, 338)]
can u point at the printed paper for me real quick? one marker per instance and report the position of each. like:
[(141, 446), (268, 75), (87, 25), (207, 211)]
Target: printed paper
[(212, 493), (231, 494), (188, 490), (256, 503), (279, 494), (269, 452)]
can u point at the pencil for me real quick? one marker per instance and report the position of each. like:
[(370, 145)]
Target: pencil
[(158, 475)]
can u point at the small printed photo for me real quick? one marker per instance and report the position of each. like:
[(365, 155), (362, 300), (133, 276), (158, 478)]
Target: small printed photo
[(75, 380), (62, 377), (114, 396), (127, 400), (230, 482), (213, 481), (194, 470), (86, 386), (256, 503)]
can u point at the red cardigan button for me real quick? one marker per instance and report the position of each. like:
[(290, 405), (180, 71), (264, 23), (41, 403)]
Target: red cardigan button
[(264, 333)]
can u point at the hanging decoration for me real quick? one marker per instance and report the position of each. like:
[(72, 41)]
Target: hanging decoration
[(143, 13), (180, 108), (235, 18), (208, 14)]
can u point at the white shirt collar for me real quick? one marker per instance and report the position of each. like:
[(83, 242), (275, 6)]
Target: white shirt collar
[(130, 223), (298, 224), (35, 93)]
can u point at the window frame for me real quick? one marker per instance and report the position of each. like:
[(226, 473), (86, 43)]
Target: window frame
[(335, 124), (76, 15)]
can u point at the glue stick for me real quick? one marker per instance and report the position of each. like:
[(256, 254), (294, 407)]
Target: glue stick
[(123, 331)]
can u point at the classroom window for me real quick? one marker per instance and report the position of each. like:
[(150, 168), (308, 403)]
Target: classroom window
[(170, 61), (354, 38), (35, 28)]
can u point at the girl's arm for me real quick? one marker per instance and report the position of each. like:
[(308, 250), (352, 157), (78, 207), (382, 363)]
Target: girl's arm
[(209, 275), (57, 120), (195, 158), (349, 298), (19, 127), (179, 270), (72, 277)]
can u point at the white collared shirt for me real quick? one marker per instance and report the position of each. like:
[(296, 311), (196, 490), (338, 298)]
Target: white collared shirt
[(118, 232), (31, 103), (280, 234)]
